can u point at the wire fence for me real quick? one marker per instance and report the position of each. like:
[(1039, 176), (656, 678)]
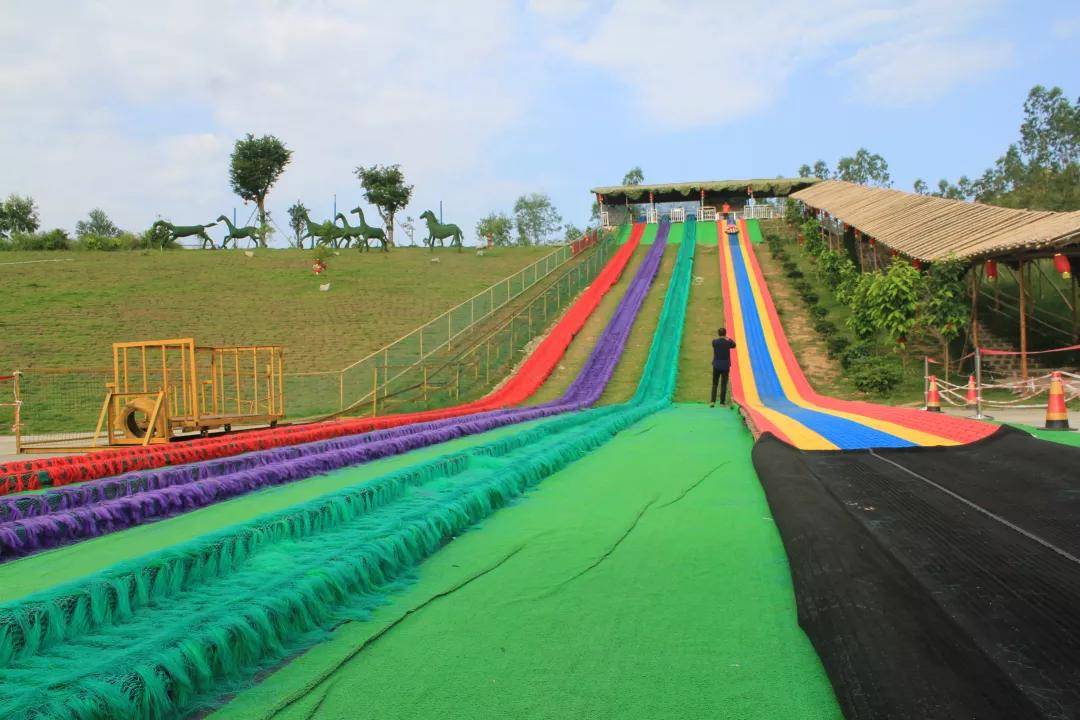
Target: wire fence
[(467, 371), (384, 371), (60, 407)]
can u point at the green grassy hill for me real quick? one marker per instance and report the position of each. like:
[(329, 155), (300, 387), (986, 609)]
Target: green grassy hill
[(69, 313)]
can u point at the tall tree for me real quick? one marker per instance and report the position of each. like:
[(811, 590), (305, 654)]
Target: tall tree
[(865, 168), (385, 188), (255, 165), (496, 226), (298, 223), (97, 224), (536, 219), (18, 214), (1042, 170)]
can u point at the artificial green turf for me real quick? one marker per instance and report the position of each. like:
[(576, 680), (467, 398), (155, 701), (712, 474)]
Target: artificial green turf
[(753, 229), (54, 567), (649, 235), (637, 583), (1058, 436)]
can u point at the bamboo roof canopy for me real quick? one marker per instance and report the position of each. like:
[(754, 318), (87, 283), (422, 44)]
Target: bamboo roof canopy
[(691, 191), (932, 228)]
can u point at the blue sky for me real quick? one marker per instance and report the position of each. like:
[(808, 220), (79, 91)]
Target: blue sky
[(134, 106)]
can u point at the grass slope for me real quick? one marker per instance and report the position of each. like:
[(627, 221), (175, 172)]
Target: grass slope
[(633, 584), (69, 313), (704, 314)]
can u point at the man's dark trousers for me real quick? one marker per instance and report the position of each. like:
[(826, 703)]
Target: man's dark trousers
[(720, 375)]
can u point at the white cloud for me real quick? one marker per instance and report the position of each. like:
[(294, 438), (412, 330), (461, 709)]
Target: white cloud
[(135, 106), (916, 70), (730, 60)]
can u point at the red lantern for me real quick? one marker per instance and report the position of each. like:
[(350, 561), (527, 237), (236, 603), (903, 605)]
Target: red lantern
[(916, 263), (991, 270), (1061, 264), (858, 235), (650, 197), (893, 253), (702, 194)]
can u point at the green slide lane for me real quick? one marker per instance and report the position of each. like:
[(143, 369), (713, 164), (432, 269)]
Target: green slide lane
[(753, 229), (1058, 436), (649, 236), (635, 583)]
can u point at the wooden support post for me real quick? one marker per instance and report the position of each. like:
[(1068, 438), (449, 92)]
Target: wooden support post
[(975, 305), (374, 390), (1076, 319), (1023, 322)]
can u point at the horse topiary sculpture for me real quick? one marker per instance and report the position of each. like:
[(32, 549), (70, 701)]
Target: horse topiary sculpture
[(371, 233), (238, 233), (350, 233), (182, 231), (327, 233), (440, 231)]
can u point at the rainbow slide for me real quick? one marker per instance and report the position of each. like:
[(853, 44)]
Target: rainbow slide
[(768, 383)]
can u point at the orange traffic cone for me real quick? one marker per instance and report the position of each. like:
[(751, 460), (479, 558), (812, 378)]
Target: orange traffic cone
[(933, 398), (972, 393), (1057, 415)]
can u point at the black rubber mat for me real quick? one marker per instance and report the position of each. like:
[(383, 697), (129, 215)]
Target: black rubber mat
[(937, 583)]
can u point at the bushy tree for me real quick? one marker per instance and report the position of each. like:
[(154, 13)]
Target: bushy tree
[(97, 224), (813, 242), (862, 321), (18, 214), (298, 223), (572, 232), (497, 226), (865, 168), (820, 170), (945, 308), (386, 189), (634, 176), (893, 299), (536, 219), (254, 167)]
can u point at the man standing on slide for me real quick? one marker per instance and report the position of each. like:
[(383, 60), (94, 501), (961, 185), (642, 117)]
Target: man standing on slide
[(721, 365)]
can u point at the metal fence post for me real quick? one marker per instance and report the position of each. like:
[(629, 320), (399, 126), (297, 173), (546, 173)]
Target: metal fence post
[(925, 379), (374, 390), (978, 387), (18, 410)]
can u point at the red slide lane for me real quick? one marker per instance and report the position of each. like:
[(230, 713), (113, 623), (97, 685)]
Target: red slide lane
[(961, 430), (63, 470)]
